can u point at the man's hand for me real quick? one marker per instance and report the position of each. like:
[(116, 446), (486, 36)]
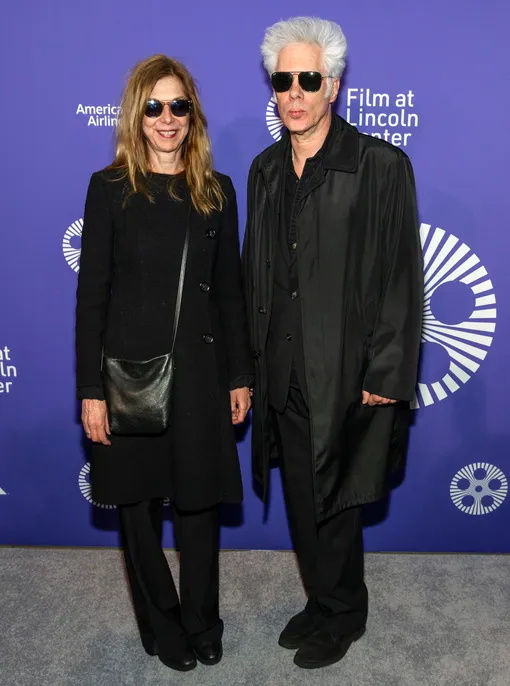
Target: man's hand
[(372, 399), (240, 403), (94, 418)]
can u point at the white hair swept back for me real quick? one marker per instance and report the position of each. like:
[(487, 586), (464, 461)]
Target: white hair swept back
[(326, 34)]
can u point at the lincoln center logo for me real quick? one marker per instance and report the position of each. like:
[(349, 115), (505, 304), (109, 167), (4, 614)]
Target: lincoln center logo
[(8, 371), (459, 315), (86, 489), (71, 245), (274, 123), (479, 488)]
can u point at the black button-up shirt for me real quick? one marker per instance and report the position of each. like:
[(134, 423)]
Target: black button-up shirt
[(295, 188), (286, 359), (289, 202)]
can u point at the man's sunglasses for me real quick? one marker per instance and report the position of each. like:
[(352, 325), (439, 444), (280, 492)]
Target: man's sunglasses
[(179, 108), (310, 81)]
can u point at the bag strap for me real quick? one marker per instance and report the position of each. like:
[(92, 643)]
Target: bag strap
[(181, 280)]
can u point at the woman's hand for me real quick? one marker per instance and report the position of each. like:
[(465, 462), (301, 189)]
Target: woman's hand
[(94, 418), (240, 403)]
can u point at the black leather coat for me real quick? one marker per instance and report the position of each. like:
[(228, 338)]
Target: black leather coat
[(361, 289)]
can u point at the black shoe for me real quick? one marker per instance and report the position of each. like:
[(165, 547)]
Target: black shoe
[(208, 652), (183, 661), (300, 627), (324, 648)]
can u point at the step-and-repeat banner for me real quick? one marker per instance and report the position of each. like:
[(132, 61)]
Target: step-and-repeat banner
[(430, 77)]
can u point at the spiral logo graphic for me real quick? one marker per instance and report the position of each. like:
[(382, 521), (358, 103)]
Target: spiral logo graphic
[(448, 262), (273, 121), (86, 489), (479, 488), (72, 253)]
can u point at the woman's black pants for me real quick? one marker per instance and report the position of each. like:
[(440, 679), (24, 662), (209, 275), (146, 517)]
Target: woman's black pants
[(167, 624)]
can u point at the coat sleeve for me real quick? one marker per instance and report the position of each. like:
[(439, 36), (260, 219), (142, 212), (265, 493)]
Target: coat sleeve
[(230, 294), (395, 344), (94, 279)]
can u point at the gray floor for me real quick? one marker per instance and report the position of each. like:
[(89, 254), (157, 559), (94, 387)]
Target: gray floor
[(66, 619)]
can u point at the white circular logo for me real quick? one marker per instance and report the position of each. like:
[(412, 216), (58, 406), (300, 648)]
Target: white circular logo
[(479, 488), (463, 332), (86, 489), (273, 121), (71, 251)]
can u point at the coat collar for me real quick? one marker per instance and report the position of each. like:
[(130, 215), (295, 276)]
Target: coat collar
[(341, 153)]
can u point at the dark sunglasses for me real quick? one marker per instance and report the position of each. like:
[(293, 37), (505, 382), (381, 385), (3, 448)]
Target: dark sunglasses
[(179, 108), (310, 81)]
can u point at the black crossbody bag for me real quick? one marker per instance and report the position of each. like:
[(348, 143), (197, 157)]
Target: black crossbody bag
[(138, 394)]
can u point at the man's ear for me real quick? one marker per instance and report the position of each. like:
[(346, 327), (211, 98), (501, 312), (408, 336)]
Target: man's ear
[(334, 90)]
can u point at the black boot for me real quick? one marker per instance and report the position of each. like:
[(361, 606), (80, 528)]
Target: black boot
[(182, 659), (324, 648), (300, 627), (208, 652)]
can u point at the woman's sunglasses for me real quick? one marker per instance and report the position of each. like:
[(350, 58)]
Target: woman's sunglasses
[(179, 108), (310, 81)]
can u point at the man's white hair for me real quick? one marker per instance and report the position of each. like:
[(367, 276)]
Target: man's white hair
[(326, 34)]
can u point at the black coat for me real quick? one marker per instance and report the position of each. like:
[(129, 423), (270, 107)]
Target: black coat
[(130, 256), (361, 292)]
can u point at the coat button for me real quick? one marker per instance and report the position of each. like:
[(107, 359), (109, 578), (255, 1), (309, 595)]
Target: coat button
[(268, 263), (256, 353), (211, 233), (208, 338), (294, 295), (262, 310), (205, 287), (288, 337)]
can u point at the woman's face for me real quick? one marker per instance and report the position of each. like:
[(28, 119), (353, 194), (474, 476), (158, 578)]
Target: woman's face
[(166, 133)]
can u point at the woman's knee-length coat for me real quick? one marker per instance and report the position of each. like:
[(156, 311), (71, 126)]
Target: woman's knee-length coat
[(125, 303)]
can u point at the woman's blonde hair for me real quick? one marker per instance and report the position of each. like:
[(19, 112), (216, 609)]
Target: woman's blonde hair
[(132, 157)]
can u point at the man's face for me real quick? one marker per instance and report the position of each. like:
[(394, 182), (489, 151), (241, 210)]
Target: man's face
[(300, 110)]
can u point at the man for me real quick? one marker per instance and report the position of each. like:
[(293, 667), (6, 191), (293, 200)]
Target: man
[(333, 276)]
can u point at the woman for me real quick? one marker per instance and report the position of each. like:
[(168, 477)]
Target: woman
[(136, 215)]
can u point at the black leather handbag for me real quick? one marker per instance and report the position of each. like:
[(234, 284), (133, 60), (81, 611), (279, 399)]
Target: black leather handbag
[(138, 394)]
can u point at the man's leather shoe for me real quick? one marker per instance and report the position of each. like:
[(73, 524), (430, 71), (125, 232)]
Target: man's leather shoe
[(300, 627), (208, 652), (183, 661), (324, 648)]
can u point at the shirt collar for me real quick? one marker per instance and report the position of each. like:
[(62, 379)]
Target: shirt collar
[(319, 155)]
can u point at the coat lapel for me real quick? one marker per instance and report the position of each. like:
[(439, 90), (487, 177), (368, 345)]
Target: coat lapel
[(272, 173)]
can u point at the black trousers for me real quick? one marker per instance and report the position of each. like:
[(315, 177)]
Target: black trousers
[(160, 615), (330, 554)]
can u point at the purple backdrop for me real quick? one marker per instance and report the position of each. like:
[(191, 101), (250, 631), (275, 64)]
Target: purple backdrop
[(427, 76)]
